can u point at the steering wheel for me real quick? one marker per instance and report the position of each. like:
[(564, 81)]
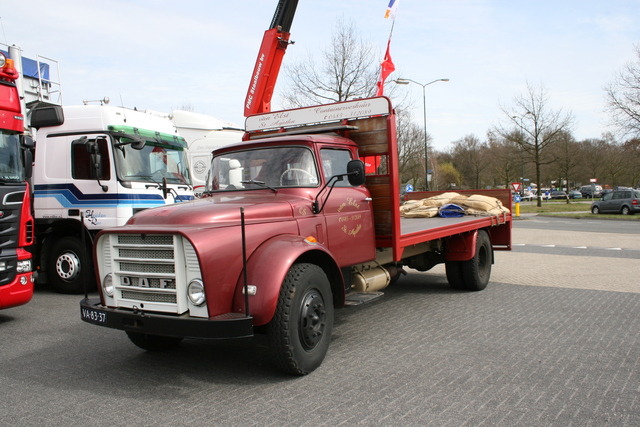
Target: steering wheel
[(296, 170)]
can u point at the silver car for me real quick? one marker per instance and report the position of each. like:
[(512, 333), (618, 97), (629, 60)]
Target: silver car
[(625, 202)]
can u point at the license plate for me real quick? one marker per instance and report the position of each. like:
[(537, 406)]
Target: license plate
[(94, 316)]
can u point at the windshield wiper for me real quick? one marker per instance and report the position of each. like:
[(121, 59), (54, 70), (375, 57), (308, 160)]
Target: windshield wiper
[(261, 183)]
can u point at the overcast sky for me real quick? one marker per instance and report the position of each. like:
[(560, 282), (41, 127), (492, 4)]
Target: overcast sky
[(161, 55)]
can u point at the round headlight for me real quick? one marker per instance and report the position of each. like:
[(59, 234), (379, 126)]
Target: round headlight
[(195, 292), (107, 285), (3, 60)]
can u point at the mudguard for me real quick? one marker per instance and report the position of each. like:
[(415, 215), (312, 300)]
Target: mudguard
[(269, 264), (461, 247)]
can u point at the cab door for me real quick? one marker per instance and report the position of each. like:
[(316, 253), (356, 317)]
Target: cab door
[(348, 213)]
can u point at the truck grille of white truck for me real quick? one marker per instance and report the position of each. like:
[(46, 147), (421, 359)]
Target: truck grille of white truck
[(150, 272)]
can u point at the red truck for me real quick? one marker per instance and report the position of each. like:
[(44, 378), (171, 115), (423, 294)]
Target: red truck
[(289, 229), (16, 220)]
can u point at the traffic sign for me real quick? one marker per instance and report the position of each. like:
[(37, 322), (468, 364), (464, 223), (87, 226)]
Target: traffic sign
[(408, 188), (516, 186)]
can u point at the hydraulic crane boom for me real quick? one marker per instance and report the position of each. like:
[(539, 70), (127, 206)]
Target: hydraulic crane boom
[(272, 50)]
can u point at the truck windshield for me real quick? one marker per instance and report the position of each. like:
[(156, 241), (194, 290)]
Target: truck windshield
[(10, 161), (261, 168), (152, 163)]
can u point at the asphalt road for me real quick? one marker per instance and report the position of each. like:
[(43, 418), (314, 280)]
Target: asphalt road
[(553, 340)]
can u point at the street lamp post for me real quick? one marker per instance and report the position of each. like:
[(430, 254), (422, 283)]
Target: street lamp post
[(424, 109)]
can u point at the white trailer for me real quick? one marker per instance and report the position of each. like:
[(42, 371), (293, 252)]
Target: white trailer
[(203, 134)]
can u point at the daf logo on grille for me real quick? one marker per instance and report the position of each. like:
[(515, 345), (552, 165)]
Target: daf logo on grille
[(144, 282)]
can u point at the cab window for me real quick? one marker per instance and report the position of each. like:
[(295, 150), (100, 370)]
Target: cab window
[(334, 162), (81, 160)]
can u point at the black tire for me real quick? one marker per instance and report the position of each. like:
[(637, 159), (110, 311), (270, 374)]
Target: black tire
[(454, 275), (625, 210), (70, 266), (300, 331), (477, 271), (595, 210), (153, 342)]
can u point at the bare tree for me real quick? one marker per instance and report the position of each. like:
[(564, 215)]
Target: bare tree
[(410, 150), (623, 98), (632, 150), (538, 127), (567, 161), (349, 69), (506, 159), (470, 157)]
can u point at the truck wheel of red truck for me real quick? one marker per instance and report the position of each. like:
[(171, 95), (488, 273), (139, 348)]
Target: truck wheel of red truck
[(153, 342), (472, 275), (300, 331), (70, 266)]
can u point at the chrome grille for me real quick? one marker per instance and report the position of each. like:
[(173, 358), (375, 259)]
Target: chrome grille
[(147, 272), (144, 239), (149, 254), (149, 297), (147, 268)]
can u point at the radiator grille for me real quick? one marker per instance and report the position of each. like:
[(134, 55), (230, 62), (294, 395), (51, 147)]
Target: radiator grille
[(149, 271), (147, 268), (149, 297), (144, 239), (147, 254)]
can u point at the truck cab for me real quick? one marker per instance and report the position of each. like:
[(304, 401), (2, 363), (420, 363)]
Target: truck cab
[(95, 166), (16, 221)]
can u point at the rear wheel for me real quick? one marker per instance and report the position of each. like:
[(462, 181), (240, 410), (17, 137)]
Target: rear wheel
[(625, 210), (153, 342), (300, 331), (70, 266), (474, 274), (454, 274)]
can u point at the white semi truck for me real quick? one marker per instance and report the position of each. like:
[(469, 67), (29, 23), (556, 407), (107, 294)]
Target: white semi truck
[(95, 166)]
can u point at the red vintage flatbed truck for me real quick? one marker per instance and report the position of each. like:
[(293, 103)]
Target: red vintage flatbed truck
[(289, 229)]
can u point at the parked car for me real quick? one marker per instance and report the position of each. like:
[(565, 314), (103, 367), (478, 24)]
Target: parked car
[(625, 202), (575, 194), (590, 191), (559, 195)]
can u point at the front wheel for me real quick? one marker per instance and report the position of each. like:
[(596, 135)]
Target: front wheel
[(70, 266), (300, 331), (595, 210)]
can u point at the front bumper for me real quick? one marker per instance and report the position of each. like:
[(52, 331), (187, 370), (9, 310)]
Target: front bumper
[(230, 325)]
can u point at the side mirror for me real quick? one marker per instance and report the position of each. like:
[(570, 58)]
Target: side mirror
[(96, 162), (26, 141), (28, 163), (355, 172)]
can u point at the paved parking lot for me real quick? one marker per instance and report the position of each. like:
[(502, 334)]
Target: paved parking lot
[(540, 346)]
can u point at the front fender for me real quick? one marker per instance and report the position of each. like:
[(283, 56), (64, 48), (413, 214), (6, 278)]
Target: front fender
[(267, 268)]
